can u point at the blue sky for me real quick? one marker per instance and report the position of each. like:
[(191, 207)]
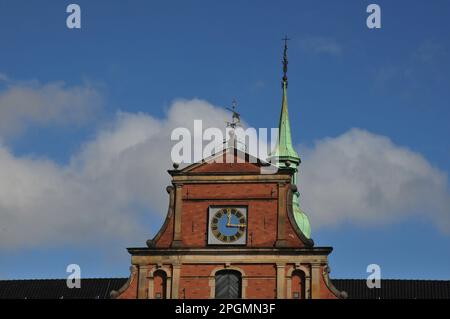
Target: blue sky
[(138, 58)]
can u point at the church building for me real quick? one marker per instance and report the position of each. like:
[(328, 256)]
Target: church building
[(234, 231)]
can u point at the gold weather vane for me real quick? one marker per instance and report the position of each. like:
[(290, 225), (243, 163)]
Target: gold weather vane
[(236, 117)]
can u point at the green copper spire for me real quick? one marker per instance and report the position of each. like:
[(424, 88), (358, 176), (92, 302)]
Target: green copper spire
[(285, 154), (285, 150)]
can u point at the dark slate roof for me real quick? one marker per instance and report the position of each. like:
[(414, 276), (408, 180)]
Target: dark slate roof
[(99, 288), (395, 289), (95, 288)]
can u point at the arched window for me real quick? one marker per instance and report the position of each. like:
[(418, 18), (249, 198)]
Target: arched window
[(159, 284), (228, 284), (298, 284)]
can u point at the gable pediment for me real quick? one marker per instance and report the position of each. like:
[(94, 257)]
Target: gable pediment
[(227, 161)]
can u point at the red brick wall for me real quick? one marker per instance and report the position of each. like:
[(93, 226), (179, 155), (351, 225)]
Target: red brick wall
[(325, 293), (235, 165), (262, 222), (194, 288), (291, 236), (262, 202), (131, 291), (195, 282), (193, 270), (230, 191), (261, 280), (260, 198), (167, 236), (262, 288)]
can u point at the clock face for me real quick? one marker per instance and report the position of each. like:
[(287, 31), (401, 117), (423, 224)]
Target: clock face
[(227, 225)]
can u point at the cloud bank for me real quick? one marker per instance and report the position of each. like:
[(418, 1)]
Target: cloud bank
[(115, 184), (32, 102), (366, 179), (110, 186)]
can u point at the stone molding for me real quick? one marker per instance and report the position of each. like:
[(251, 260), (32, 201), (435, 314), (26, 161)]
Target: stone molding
[(116, 293)]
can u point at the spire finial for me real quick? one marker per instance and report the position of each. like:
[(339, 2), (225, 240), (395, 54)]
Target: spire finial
[(285, 150), (285, 60)]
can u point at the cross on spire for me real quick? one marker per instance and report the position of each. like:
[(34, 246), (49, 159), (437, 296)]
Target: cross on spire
[(285, 39)]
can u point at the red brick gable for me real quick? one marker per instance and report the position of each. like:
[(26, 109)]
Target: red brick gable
[(227, 168), (275, 261), (272, 259), (229, 160)]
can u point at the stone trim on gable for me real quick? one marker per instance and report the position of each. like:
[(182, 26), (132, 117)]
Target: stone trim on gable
[(114, 294), (152, 242)]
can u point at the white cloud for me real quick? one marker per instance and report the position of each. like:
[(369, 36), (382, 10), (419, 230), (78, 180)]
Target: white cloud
[(116, 183), (318, 44), (366, 179), (108, 189), (23, 103)]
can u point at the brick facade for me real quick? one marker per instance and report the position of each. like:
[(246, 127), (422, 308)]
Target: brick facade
[(277, 261)]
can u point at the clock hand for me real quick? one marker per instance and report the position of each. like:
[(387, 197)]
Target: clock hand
[(237, 225), (229, 224)]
